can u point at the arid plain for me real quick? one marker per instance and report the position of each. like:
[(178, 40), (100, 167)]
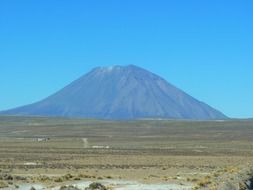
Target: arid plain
[(57, 151)]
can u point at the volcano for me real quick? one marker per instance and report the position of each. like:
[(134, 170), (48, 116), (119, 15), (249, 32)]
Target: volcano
[(120, 92)]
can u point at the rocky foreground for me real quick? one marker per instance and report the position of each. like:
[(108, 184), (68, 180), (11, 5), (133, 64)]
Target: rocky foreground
[(231, 179)]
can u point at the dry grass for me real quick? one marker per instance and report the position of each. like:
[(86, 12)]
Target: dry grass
[(3, 184), (148, 151)]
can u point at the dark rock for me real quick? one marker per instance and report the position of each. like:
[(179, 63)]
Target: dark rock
[(20, 178), (96, 186), (69, 188)]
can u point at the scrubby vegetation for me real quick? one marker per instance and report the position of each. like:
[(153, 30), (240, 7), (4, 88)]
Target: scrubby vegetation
[(96, 186)]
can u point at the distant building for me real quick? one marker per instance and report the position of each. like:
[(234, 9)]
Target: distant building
[(42, 139), (101, 147)]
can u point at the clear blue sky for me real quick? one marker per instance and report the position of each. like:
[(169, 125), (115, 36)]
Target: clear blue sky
[(203, 47)]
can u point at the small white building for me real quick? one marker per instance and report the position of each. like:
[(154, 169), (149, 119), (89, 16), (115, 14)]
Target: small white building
[(101, 147), (42, 139)]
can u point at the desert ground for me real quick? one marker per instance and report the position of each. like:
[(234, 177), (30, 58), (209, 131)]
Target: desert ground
[(53, 152)]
